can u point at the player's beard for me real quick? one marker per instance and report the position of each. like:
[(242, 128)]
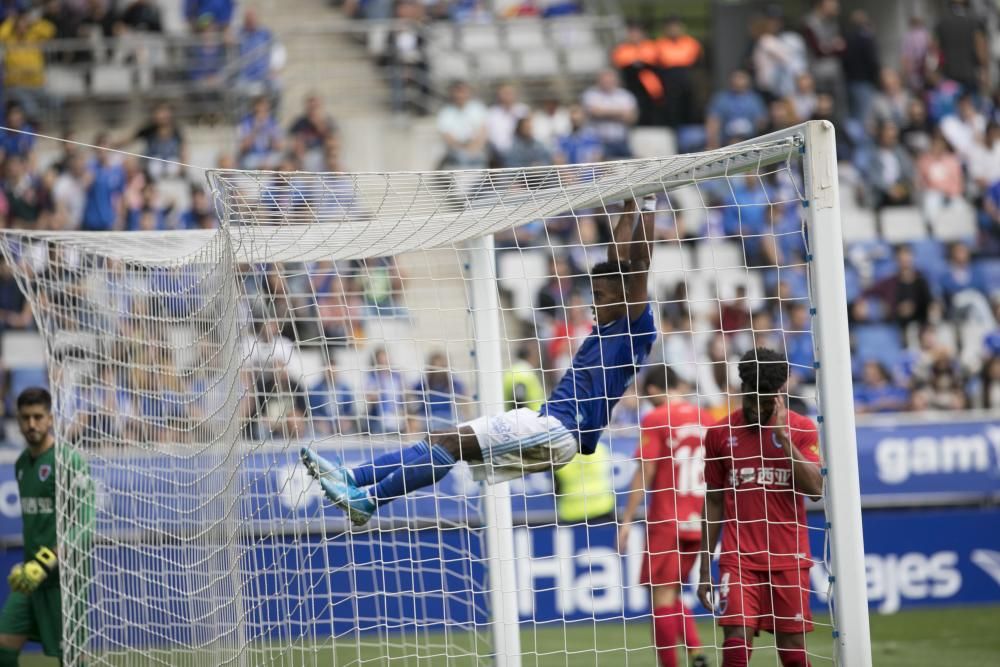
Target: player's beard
[(754, 404)]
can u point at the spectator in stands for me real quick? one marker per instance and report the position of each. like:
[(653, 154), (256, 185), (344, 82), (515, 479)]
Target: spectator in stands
[(905, 296), (803, 98), (22, 36), (779, 57), (15, 311), (219, 12), (260, 137), (142, 15), (439, 396), (502, 120), (612, 111), (571, 327), (384, 395), (23, 193), (734, 313), (916, 130), (961, 40), (984, 158), (163, 143), (989, 218), (554, 295), (890, 171), (959, 274), (201, 214), (799, 343), (462, 124), (103, 208), (314, 127), (261, 57), (821, 30), (12, 142), (964, 128), (331, 402), (98, 19), (636, 60), (944, 390), (525, 150), (69, 193), (986, 392), (876, 391), (915, 51), (860, 63), (582, 144), (891, 103), (678, 53), (406, 57), (939, 175), (735, 113), (207, 56), (550, 122), (383, 285), (66, 20)]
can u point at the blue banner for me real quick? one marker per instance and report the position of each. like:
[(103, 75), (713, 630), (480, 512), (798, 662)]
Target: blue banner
[(908, 463)]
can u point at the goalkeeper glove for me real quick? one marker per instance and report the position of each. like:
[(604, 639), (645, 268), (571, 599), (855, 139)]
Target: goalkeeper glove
[(26, 578)]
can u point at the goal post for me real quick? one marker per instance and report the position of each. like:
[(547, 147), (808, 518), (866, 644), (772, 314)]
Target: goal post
[(357, 312)]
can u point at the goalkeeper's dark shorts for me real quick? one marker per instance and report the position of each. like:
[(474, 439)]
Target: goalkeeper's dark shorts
[(37, 616)]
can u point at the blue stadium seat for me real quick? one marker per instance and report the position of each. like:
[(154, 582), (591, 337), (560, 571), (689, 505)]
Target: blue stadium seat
[(986, 275), (878, 342)]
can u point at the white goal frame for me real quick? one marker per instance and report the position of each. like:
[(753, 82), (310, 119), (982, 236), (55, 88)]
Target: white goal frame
[(827, 292)]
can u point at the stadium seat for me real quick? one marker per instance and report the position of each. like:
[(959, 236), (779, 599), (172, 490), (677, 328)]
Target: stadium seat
[(858, 224), (648, 142), (878, 342), (687, 201), (902, 224), (112, 81), (172, 13), (495, 64), (175, 191), (479, 39), (22, 349), (667, 266), (986, 275), (928, 255), (719, 254), (65, 82), (441, 36), (572, 32), (585, 60), (523, 272), (21, 379), (525, 34), (540, 62), (449, 65), (955, 221)]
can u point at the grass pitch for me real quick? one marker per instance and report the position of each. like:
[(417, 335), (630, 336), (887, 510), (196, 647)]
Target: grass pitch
[(957, 636)]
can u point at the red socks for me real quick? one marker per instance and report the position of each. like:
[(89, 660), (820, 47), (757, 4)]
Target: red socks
[(668, 626), (793, 657), (736, 652)]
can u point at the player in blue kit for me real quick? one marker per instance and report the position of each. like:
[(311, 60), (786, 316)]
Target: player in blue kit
[(521, 441)]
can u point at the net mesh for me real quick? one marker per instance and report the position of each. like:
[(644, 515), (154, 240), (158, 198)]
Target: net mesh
[(338, 311)]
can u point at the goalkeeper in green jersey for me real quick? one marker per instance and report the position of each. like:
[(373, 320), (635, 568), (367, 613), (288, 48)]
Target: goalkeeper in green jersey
[(33, 610)]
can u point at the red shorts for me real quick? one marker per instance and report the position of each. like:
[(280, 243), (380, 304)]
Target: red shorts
[(668, 560), (776, 601)]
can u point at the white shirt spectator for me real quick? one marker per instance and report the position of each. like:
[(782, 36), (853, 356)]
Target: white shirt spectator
[(501, 121), (464, 122), (963, 134), (549, 125), (598, 101), (70, 197), (984, 163)]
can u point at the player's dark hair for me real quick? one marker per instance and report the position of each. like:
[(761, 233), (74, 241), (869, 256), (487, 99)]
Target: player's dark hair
[(611, 270), (762, 371), (661, 376), (35, 396)]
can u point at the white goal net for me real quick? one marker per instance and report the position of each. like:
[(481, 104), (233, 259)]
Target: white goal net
[(355, 313)]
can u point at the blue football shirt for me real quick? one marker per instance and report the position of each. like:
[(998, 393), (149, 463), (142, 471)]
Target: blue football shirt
[(602, 369)]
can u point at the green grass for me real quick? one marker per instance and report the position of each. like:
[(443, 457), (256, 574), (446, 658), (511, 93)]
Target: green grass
[(959, 636)]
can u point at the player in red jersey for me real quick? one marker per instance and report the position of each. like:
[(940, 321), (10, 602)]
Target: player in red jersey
[(757, 479), (671, 473)]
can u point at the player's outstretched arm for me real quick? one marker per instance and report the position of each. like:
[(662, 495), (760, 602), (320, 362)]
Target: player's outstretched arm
[(621, 243)]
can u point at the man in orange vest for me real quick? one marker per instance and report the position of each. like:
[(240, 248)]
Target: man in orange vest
[(677, 55), (636, 59)]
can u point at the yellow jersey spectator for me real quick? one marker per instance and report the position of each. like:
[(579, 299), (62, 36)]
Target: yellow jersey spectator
[(585, 488), (522, 385), (24, 62)]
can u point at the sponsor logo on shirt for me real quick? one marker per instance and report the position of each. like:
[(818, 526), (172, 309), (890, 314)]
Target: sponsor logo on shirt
[(774, 440), (763, 476), (37, 505), (44, 471), (731, 441)]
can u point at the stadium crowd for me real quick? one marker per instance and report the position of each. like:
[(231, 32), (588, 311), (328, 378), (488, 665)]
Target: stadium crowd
[(921, 138)]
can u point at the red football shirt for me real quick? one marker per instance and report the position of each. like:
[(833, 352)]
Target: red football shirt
[(671, 436), (764, 519)]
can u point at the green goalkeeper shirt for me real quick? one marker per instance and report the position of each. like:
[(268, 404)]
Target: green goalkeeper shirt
[(36, 484)]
